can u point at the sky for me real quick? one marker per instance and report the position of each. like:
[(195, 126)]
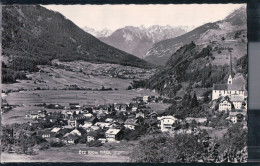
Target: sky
[(117, 16)]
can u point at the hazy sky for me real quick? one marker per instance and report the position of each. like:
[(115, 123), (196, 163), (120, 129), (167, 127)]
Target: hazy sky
[(117, 16)]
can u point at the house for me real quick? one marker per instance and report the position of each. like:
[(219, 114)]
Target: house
[(102, 140), (34, 124), (109, 120), (146, 99), (87, 115), (152, 115), (90, 138), (133, 106), (123, 107), (92, 128), (237, 116), (42, 114), (74, 106), (225, 105), (167, 123), (113, 135), (103, 108), (46, 134), (198, 120), (75, 132), (91, 120), (70, 139), (131, 123), (238, 101), (55, 129), (117, 106), (86, 125), (233, 117), (33, 115), (102, 124)]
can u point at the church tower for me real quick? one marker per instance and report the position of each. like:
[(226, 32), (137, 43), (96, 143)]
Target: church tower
[(230, 71)]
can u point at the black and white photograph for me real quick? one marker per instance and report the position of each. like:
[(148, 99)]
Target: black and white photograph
[(157, 83)]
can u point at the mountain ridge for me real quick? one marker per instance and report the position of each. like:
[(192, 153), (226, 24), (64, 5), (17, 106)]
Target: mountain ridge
[(36, 35), (137, 40), (162, 50)]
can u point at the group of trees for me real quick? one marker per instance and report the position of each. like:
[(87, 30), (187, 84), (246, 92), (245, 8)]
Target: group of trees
[(193, 148)]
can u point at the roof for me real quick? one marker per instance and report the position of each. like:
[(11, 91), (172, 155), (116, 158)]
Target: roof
[(236, 98), (56, 129), (228, 87), (87, 125), (166, 117), (109, 120), (71, 136), (113, 131), (90, 119), (131, 121)]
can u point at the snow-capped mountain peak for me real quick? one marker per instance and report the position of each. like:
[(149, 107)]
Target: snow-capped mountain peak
[(103, 33)]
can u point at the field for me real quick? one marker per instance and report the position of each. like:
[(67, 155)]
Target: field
[(119, 153), (55, 79)]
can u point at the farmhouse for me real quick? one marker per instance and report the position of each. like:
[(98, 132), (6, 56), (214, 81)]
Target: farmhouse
[(113, 135), (225, 105), (167, 123), (102, 124), (134, 106), (238, 101), (131, 123), (74, 106), (70, 139), (46, 134), (145, 99)]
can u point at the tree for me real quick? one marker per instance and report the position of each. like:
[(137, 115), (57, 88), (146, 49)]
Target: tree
[(164, 148), (194, 101)]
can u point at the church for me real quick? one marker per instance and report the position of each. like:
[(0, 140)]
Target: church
[(229, 89)]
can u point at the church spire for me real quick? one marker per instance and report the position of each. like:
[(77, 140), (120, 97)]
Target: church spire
[(230, 71), (230, 66)]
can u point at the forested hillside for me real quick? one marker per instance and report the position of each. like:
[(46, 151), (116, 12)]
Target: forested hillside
[(33, 35)]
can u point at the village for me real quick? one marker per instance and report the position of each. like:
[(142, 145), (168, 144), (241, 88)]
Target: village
[(96, 125)]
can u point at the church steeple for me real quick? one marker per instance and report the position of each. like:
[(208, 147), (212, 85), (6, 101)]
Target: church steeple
[(230, 71)]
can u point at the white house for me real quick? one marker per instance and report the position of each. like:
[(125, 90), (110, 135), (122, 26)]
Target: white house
[(145, 99), (112, 135), (237, 101), (102, 124), (167, 122), (55, 130), (225, 105), (130, 123)]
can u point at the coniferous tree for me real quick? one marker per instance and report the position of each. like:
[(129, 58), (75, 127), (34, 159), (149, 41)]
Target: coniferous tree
[(194, 101)]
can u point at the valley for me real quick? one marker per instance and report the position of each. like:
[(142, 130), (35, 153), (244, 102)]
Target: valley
[(156, 94)]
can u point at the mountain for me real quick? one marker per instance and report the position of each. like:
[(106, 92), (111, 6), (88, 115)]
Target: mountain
[(235, 22), (195, 67), (34, 35), (137, 40), (103, 33)]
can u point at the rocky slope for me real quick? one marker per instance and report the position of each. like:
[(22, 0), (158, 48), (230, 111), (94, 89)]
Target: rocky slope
[(207, 33)]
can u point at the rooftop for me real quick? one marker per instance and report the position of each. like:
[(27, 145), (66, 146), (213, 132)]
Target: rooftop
[(228, 87), (112, 131), (236, 98)]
